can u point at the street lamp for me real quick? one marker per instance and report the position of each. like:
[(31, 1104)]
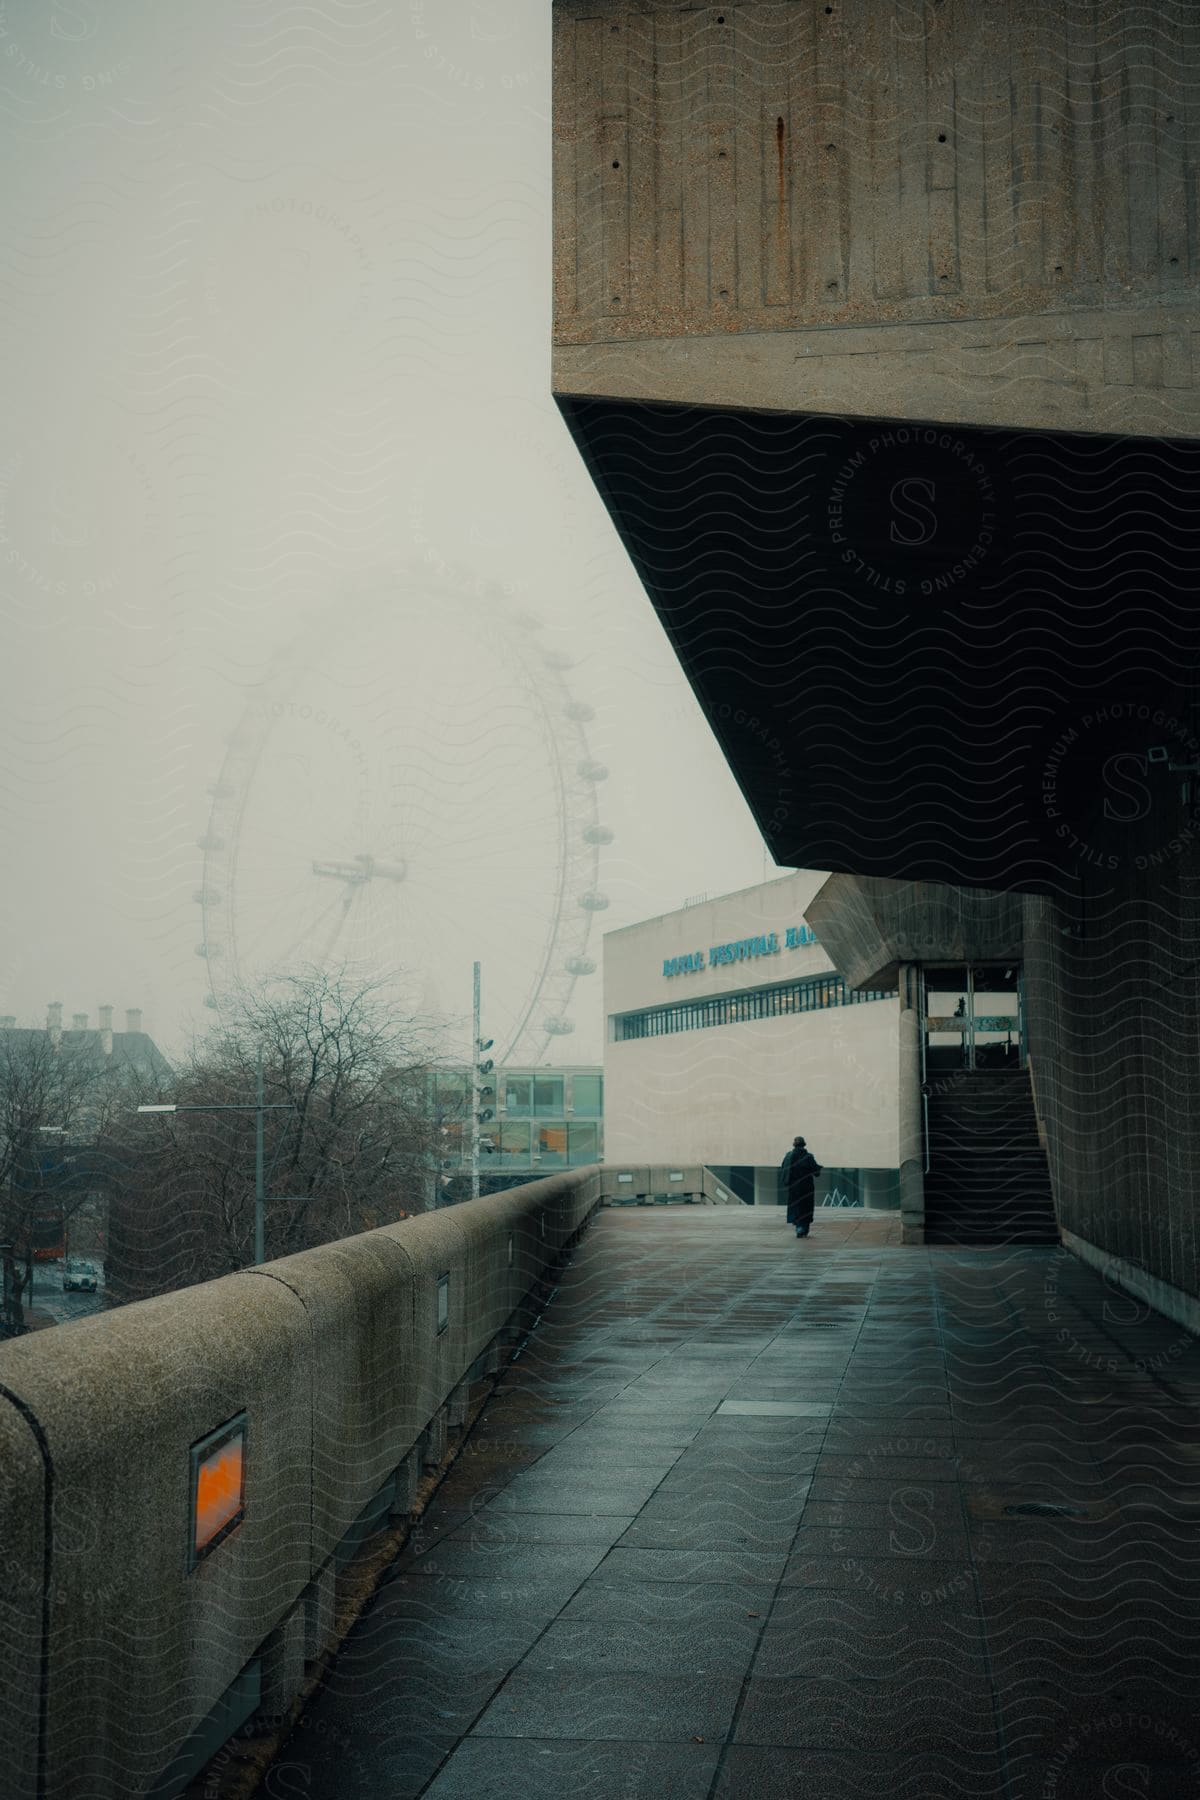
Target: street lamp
[(258, 1109)]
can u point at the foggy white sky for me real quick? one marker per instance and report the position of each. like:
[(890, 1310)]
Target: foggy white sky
[(275, 303)]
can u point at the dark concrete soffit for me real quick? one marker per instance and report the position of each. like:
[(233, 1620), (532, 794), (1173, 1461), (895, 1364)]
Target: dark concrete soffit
[(869, 926), (925, 656)]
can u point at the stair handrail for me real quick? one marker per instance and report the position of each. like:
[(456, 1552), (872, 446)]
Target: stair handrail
[(923, 1010), (1037, 1111)]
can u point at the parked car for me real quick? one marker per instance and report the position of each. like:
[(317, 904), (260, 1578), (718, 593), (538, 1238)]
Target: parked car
[(79, 1277)]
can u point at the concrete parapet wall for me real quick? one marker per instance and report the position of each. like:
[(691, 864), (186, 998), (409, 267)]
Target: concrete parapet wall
[(113, 1649), (25, 1496)]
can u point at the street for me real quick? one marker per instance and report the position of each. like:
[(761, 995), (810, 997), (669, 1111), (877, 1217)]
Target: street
[(48, 1296)]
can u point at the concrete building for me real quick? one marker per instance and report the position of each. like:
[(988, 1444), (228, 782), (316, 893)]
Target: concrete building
[(97, 1050), (852, 304), (729, 1031)]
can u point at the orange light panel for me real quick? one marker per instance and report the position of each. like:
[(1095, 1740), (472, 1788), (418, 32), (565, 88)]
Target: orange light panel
[(219, 1489)]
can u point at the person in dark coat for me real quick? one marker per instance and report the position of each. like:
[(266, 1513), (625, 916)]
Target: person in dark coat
[(796, 1174)]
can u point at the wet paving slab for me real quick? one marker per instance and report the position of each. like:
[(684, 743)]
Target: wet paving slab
[(765, 1517)]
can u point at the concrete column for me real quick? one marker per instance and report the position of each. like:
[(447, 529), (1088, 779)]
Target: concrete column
[(458, 1406), (912, 1202), (317, 1607), (435, 1440), (911, 1123), (408, 1479), (282, 1658), (766, 1187)]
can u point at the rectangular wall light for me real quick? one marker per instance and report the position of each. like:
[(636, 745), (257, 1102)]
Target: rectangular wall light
[(218, 1487)]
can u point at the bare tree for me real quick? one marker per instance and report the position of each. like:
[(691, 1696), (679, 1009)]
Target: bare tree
[(356, 1145)]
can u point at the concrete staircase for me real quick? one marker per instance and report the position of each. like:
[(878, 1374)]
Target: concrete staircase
[(988, 1182)]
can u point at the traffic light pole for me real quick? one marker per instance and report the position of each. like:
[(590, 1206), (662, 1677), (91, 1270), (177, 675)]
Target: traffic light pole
[(475, 1094), (260, 1249)]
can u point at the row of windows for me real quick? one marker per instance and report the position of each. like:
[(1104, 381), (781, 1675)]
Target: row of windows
[(528, 1096), (557, 1141), (554, 1143), (735, 1009)]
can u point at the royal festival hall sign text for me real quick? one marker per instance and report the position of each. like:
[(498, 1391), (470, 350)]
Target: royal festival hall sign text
[(741, 951)]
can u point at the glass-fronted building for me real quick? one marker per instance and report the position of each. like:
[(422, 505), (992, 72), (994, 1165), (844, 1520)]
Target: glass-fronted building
[(543, 1119)]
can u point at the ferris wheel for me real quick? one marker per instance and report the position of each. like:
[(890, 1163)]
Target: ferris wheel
[(409, 791)]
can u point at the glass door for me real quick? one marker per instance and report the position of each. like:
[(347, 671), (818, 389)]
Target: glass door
[(973, 1017), (946, 1043), (994, 1002)]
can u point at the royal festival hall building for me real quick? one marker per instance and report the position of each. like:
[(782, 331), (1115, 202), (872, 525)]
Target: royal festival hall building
[(729, 1031)]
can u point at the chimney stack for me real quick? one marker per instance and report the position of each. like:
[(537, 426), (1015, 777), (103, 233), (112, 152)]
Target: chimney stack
[(8, 1021), (104, 1015), (78, 1021), (54, 1016), (133, 1018)]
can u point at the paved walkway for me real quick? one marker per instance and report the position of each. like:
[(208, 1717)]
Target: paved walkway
[(740, 1523)]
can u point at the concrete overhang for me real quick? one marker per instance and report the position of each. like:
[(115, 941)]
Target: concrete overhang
[(846, 302), (972, 213), (1024, 372), (870, 927)]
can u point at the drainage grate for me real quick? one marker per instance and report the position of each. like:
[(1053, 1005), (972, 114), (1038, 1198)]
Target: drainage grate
[(1000, 1509), (776, 1409), (1044, 1509)]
